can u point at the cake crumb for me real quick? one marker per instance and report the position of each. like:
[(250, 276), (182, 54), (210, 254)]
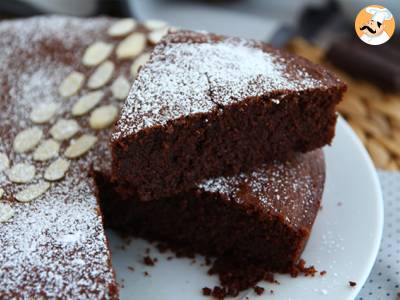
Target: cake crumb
[(301, 268), (148, 261), (206, 291), (352, 283), (258, 290), (132, 269), (322, 273), (146, 273)]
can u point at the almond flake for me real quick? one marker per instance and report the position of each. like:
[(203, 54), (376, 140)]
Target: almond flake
[(4, 162), (86, 103), (101, 75), (140, 61), (131, 46), (71, 84), (120, 88), (155, 24), (6, 212), (122, 27), (27, 139), (80, 146), (97, 53), (1, 193), (103, 116), (46, 150), (21, 173), (43, 113), (156, 35), (32, 191), (64, 129), (57, 169)]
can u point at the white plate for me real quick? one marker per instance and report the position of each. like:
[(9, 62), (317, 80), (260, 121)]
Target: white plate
[(344, 241)]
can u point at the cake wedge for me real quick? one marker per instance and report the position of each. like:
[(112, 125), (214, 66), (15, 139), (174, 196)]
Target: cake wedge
[(206, 106)]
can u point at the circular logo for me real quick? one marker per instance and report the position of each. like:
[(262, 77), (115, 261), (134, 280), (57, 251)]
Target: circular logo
[(374, 25)]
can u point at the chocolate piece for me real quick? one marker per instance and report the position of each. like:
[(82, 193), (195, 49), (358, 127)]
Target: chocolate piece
[(53, 245), (252, 223), (207, 105), (377, 64)]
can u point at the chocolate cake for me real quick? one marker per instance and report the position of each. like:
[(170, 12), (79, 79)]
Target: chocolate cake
[(61, 83), (206, 106), (252, 223)]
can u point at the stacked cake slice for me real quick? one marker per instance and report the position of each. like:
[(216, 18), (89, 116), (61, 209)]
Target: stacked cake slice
[(216, 152)]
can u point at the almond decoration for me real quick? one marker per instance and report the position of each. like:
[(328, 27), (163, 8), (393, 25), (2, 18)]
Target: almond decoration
[(101, 75), (64, 129), (131, 46), (21, 173), (140, 61), (155, 24), (80, 146), (46, 150), (155, 36), (43, 113), (120, 88), (57, 169), (32, 191), (97, 53), (71, 84), (4, 162), (353, 105), (27, 139), (103, 117), (122, 27), (86, 103), (6, 212)]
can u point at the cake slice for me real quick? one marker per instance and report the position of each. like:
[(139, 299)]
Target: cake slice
[(252, 223), (207, 106), (58, 100)]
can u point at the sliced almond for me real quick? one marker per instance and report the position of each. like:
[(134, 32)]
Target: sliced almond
[(378, 153), (97, 53), (392, 166), (43, 113), (366, 125), (21, 173), (157, 35), (101, 75), (120, 88), (131, 46), (140, 61), (64, 129), (122, 27), (27, 139), (389, 108), (80, 146), (379, 120), (103, 117), (57, 169), (155, 24), (6, 212), (46, 150), (86, 103), (32, 191), (4, 162), (71, 84), (392, 145)]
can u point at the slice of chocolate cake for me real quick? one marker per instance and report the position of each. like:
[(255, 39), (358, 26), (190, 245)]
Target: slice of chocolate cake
[(252, 223), (61, 82), (207, 106)]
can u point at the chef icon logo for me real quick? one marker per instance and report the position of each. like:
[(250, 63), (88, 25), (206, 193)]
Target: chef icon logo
[(374, 25)]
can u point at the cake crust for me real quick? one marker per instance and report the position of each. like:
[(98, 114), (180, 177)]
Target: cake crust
[(206, 106)]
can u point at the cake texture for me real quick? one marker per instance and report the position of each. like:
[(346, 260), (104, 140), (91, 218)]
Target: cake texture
[(52, 239), (207, 106), (252, 223)]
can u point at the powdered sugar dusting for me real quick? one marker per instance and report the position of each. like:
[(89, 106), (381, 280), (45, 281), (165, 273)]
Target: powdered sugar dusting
[(54, 246), (290, 189), (191, 73)]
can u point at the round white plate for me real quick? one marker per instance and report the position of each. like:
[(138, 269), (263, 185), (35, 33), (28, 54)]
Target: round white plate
[(344, 241)]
